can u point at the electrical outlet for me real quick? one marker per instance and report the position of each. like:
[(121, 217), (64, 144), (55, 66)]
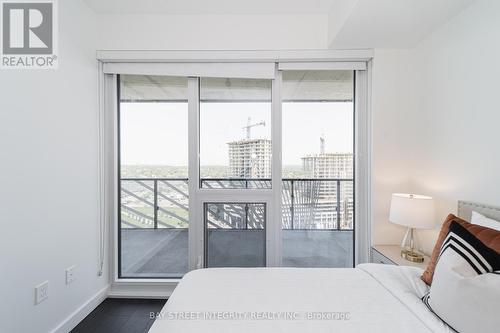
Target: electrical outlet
[(41, 292), (70, 274)]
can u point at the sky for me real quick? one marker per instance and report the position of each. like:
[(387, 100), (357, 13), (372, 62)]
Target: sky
[(157, 133)]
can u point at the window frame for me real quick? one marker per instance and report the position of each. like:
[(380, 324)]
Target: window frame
[(109, 168)]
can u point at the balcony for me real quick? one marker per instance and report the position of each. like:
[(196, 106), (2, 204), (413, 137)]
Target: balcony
[(317, 225)]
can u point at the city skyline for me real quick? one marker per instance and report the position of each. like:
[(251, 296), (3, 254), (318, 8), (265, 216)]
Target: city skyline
[(154, 124)]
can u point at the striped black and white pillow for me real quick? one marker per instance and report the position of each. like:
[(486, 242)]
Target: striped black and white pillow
[(465, 291)]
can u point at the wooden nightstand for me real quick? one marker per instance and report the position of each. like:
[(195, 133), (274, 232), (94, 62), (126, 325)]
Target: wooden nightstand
[(391, 255)]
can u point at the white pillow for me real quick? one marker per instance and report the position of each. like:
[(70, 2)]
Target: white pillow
[(484, 221), (465, 290)]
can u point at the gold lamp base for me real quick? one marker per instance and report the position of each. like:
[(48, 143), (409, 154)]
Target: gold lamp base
[(408, 251), (412, 256)]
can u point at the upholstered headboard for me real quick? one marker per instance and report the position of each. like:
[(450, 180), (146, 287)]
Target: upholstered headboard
[(465, 209)]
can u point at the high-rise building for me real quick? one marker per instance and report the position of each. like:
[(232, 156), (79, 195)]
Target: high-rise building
[(332, 166), (328, 165), (250, 158), (315, 202)]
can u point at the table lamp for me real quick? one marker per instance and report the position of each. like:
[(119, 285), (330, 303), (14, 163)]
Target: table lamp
[(415, 212)]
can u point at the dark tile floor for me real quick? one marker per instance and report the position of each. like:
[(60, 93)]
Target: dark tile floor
[(121, 315)]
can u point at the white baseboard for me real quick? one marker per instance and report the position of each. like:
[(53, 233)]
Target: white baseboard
[(141, 290), (83, 311)]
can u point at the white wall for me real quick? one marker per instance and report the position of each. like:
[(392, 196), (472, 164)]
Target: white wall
[(48, 177), (447, 146), (457, 154), (212, 32), (391, 108)]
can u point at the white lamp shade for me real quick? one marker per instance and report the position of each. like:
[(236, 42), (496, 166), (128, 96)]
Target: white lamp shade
[(412, 210)]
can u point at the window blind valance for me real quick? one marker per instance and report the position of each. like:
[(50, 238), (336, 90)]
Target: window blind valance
[(322, 65), (264, 70)]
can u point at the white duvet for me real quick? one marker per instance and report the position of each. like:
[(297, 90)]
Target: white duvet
[(369, 298)]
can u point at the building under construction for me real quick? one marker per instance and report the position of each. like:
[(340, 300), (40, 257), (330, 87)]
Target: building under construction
[(250, 158), (332, 166)]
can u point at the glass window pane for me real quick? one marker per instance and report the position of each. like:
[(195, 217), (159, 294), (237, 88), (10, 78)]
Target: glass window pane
[(235, 133), (235, 234), (318, 141), (153, 176)]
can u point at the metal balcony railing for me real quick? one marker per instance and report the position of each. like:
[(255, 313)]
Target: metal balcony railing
[(307, 204)]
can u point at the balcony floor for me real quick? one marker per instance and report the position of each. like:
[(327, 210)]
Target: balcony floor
[(163, 252)]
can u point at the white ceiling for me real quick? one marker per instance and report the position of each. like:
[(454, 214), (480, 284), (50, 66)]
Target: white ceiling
[(215, 7), (393, 23)]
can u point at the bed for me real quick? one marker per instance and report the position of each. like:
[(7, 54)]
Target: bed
[(370, 297)]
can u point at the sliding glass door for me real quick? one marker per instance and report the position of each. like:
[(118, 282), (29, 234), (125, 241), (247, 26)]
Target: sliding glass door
[(235, 133), (235, 163), (235, 171)]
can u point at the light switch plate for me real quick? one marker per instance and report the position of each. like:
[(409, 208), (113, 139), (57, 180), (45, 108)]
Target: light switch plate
[(41, 292), (70, 274)]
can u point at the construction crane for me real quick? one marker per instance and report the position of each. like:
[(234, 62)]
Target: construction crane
[(250, 125)]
